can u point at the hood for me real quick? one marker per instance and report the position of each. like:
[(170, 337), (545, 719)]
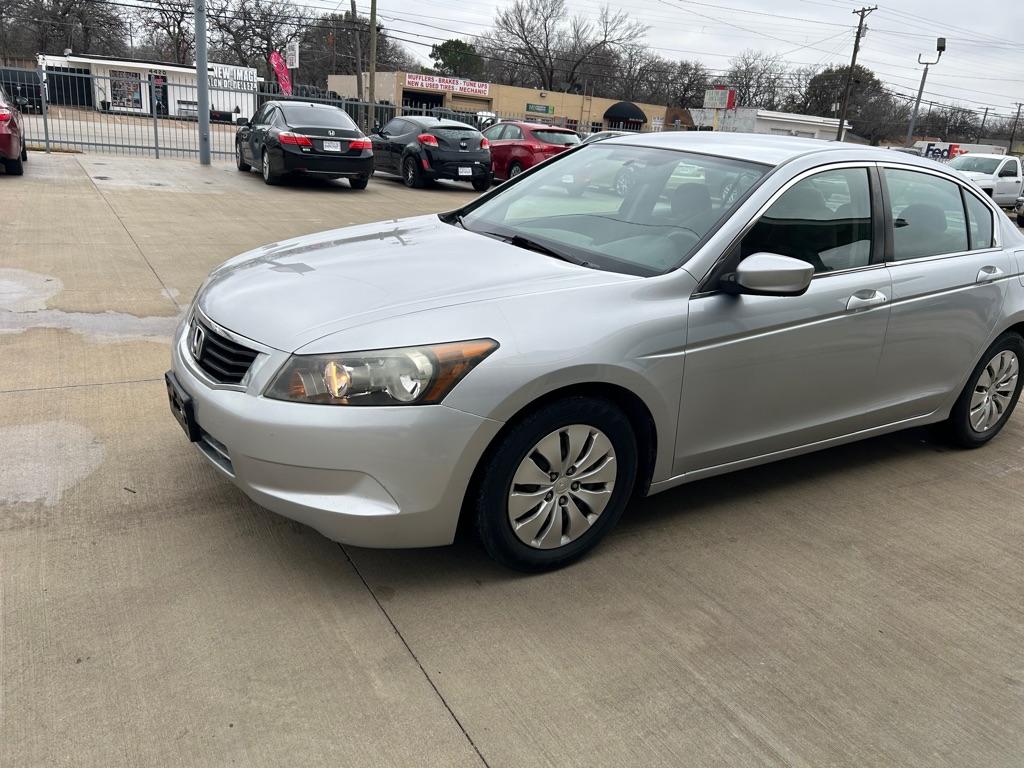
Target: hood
[(288, 294), (978, 175)]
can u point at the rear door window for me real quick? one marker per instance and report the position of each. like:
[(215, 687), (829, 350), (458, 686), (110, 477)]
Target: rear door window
[(927, 215), (557, 137), (979, 222), (512, 133)]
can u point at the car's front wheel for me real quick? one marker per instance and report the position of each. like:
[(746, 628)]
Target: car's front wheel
[(240, 158), (991, 393), (556, 483)]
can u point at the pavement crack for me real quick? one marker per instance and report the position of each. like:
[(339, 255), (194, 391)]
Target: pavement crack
[(167, 290), (415, 658)]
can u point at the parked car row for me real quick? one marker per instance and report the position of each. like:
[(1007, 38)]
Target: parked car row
[(291, 138)]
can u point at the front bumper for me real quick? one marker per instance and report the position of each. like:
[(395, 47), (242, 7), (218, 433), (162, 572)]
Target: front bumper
[(366, 476)]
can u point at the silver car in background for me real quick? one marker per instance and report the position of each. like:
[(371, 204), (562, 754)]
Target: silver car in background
[(531, 362)]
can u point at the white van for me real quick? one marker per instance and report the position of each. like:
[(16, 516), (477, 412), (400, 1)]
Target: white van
[(998, 175)]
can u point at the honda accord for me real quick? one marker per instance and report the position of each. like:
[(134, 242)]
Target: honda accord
[(531, 362)]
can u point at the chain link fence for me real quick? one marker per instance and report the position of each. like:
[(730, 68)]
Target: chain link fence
[(134, 113)]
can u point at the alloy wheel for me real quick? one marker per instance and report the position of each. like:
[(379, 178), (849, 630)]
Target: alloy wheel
[(266, 166), (993, 392), (410, 172), (562, 486), (514, 171)]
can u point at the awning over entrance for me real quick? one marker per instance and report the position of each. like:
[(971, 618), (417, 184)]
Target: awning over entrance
[(625, 112)]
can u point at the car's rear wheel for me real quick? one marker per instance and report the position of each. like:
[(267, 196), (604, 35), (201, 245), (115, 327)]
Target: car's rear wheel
[(482, 185), (240, 158), (991, 393), (269, 177), (24, 153), (14, 167), (359, 182), (412, 176), (514, 170), (556, 483)]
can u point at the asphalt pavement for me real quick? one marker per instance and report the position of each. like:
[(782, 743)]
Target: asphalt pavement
[(858, 607)]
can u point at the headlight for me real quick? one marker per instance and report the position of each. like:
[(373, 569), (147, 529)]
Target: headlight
[(403, 376)]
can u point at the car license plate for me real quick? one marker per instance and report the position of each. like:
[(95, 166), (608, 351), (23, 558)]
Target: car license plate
[(332, 146), (465, 171), (181, 407)]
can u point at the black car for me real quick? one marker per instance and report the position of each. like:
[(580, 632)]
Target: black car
[(422, 149), (298, 137)]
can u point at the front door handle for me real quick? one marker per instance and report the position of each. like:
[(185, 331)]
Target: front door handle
[(866, 298), (989, 273)]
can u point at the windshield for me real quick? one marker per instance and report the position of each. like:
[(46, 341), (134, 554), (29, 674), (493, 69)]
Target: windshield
[(635, 210), (977, 164), (320, 116), (557, 137)]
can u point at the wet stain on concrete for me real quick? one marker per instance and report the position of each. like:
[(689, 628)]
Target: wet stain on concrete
[(45, 459), (23, 298)]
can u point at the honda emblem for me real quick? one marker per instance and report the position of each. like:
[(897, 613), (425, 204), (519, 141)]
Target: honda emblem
[(195, 344)]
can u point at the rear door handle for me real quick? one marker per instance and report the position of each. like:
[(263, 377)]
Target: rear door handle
[(988, 274), (866, 298)]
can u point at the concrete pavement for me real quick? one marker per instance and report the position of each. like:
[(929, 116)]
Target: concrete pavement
[(857, 607)]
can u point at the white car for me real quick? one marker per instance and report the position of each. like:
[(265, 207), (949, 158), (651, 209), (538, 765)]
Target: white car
[(998, 175)]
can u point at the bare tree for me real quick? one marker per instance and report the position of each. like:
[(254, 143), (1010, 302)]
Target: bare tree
[(688, 83), (759, 79), (248, 31), (81, 25), (169, 30), (555, 45)]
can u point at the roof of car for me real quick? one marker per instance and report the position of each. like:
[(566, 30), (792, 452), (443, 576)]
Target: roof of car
[(537, 126), (424, 121), (754, 147)]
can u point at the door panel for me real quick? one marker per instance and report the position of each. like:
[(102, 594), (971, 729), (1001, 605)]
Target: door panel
[(946, 301), (941, 319), (768, 373)]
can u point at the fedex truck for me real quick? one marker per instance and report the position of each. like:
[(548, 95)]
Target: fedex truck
[(944, 151)]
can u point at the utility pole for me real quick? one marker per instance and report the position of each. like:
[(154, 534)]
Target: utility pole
[(981, 130), (202, 82), (862, 13), (940, 46), (373, 63), (357, 44), (1013, 132)]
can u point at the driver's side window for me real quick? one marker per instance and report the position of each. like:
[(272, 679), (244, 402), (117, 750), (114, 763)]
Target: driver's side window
[(393, 127), (824, 220)]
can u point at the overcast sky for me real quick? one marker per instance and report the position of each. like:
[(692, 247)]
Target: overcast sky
[(982, 66)]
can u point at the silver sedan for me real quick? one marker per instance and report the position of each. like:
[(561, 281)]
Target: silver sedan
[(531, 362)]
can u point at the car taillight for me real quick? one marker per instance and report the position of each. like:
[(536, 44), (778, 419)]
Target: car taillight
[(427, 140), (5, 115), (295, 139), (360, 144), (485, 144)]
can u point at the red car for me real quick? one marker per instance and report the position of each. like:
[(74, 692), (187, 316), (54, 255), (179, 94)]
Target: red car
[(12, 136), (517, 146)]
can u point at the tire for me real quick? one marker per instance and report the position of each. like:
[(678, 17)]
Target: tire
[(24, 153), (990, 395), (514, 170), (359, 182), (1020, 219), (239, 161), (14, 167), (412, 176), (544, 538), (269, 177), (482, 185)]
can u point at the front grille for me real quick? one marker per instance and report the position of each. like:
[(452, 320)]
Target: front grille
[(223, 360)]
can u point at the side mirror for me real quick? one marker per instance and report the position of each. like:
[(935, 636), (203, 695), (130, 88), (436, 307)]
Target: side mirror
[(769, 274), (21, 101), (241, 121)]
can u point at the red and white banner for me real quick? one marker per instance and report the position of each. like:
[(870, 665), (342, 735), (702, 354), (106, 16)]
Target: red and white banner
[(284, 79), (453, 84)]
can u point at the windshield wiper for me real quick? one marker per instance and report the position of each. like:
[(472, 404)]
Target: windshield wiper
[(532, 245)]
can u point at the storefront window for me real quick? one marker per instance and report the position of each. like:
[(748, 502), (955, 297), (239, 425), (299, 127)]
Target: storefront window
[(125, 89)]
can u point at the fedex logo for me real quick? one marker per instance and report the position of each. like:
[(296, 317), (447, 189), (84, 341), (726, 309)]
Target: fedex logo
[(942, 152)]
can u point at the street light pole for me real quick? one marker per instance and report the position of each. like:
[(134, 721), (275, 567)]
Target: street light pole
[(202, 83), (940, 46), (841, 130)]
